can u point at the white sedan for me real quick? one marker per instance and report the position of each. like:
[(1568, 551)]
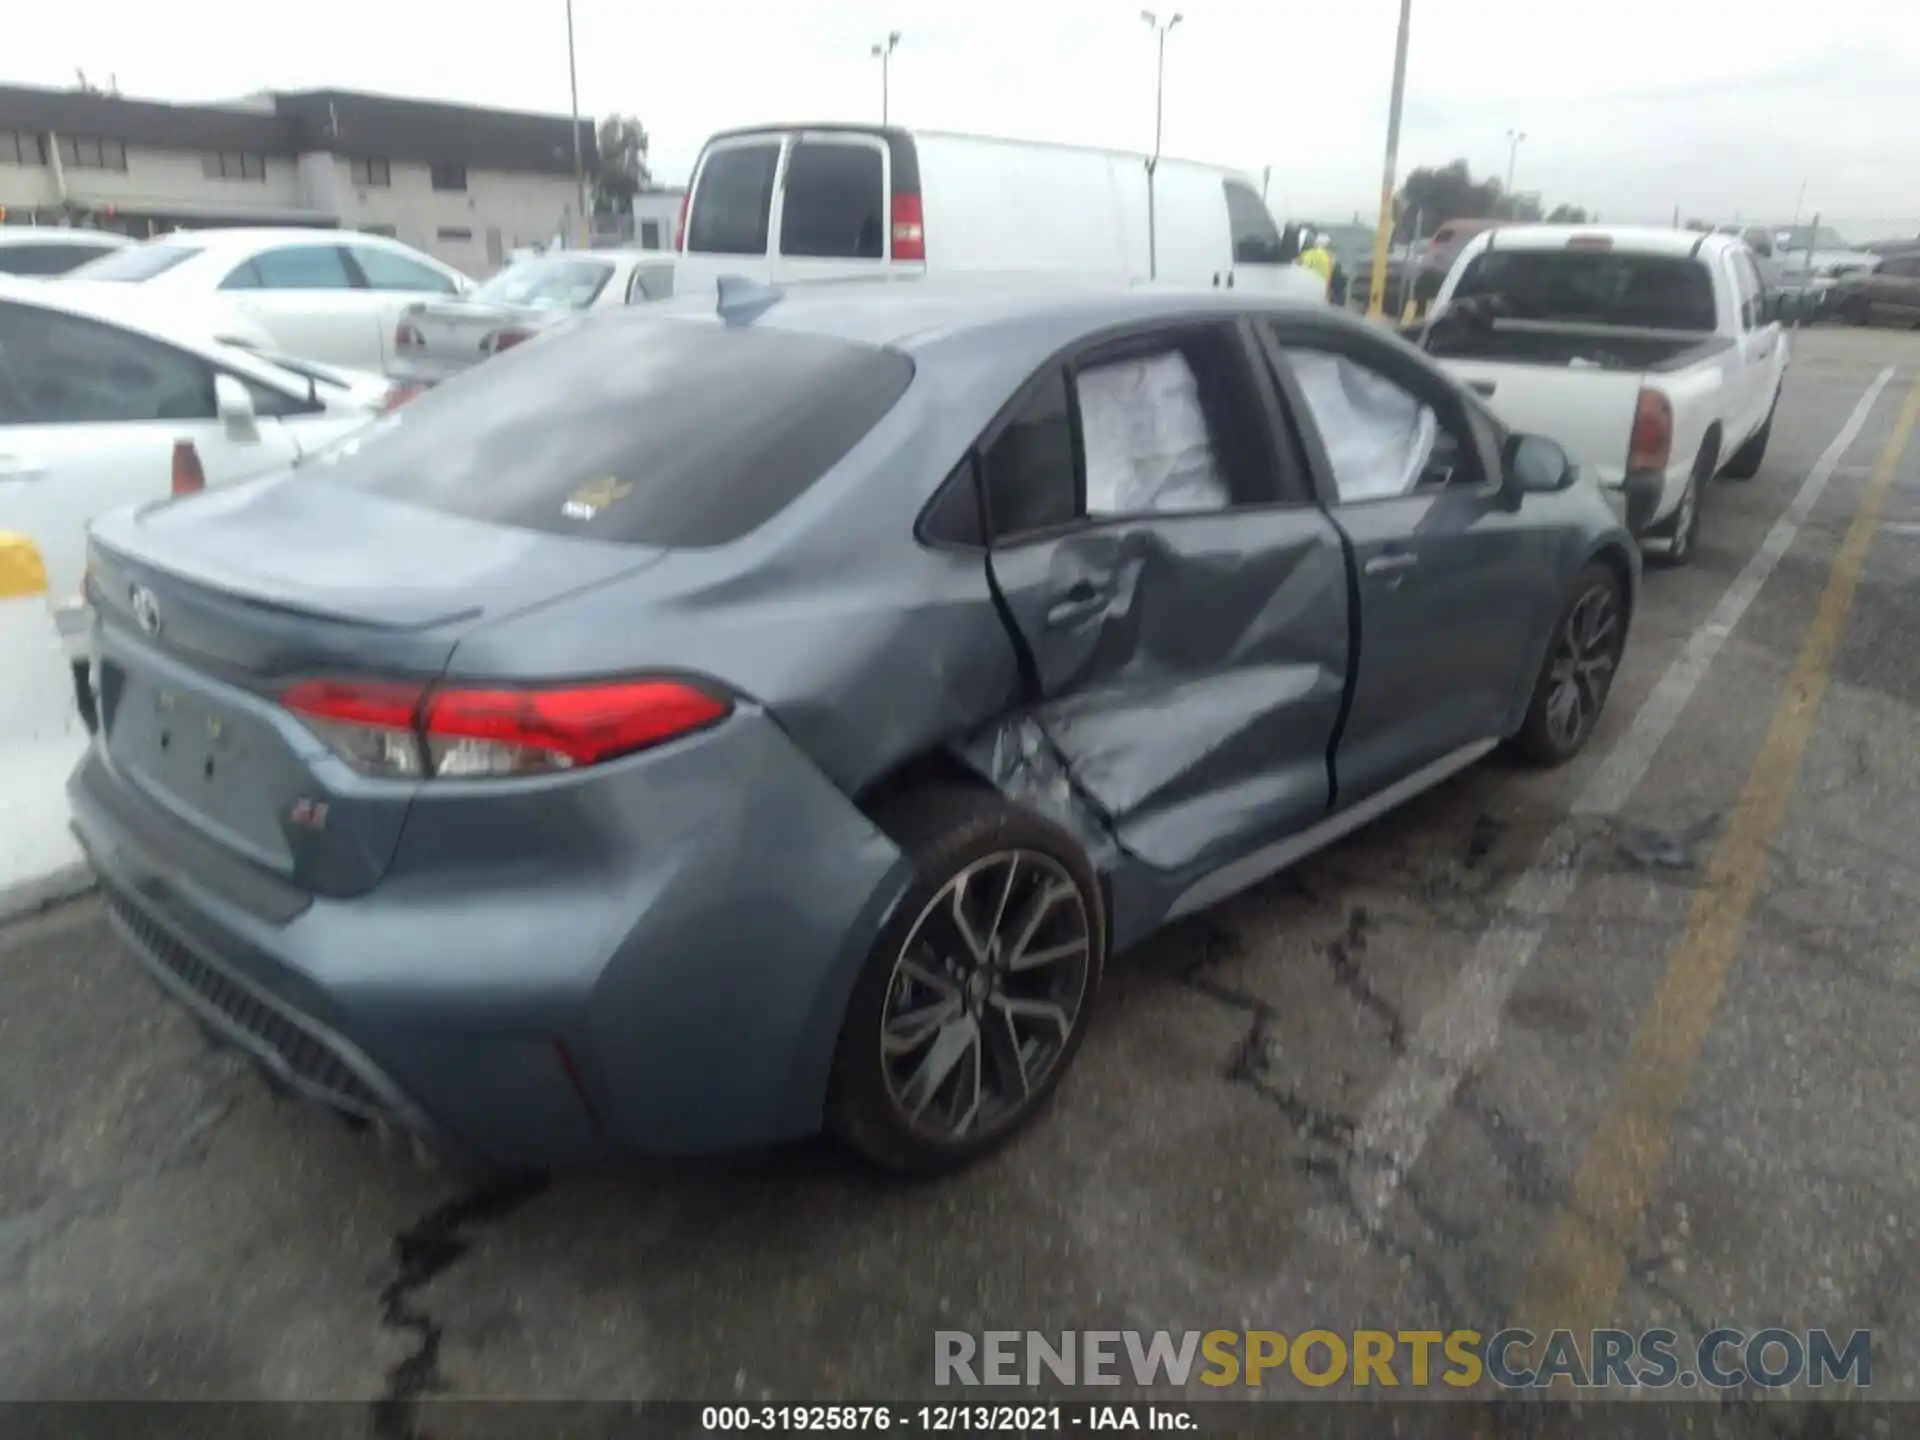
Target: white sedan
[(97, 385), (327, 295)]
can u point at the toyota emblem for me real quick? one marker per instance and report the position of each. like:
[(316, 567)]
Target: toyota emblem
[(146, 609)]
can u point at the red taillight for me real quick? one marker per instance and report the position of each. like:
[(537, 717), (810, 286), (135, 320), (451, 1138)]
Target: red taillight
[(188, 477), (496, 341), (1651, 447), (402, 729), (680, 225), (909, 228), (406, 335)]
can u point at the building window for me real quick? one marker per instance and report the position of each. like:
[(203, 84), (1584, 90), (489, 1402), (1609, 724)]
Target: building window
[(22, 149), (86, 153), (649, 234), (392, 232), (454, 232), (234, 166), (449, 177), (374, 174)]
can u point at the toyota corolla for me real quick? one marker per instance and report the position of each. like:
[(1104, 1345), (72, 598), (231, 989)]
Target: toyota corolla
[(725, 722)]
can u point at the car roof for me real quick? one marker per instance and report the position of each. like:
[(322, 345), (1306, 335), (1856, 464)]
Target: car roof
[(1637, 239), (235, 239), (162, 313), (62, 235), (918, 313)]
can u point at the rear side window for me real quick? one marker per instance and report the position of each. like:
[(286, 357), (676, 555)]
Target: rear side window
[(1029, 469), (632, 429), (45, 259), (1256, 239), (140, 262), (835, 202), (1595, 287), (293, 267), (733, 200)]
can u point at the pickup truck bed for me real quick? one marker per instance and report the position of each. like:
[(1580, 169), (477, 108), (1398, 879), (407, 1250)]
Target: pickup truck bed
[(1575, 346)]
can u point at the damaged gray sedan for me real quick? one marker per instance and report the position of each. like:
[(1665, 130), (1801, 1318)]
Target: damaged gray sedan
[(725, 723)]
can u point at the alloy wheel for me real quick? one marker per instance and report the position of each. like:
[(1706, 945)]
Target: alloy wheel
[(985, 995), (1582, 669)]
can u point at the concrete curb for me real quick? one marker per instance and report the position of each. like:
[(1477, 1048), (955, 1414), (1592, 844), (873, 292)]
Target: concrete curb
[(25, 898)]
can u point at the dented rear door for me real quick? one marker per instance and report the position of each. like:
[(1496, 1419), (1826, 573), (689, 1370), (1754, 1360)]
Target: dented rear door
[(1186, 665)]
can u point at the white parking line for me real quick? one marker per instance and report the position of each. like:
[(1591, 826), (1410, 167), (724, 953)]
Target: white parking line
[(1464, 1025)]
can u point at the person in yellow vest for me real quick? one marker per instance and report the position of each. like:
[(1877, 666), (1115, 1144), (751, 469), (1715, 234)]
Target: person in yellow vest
[(1318, 258)]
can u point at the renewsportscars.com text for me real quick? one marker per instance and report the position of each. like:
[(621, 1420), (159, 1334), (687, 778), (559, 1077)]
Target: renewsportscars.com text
[(1724, 1359)]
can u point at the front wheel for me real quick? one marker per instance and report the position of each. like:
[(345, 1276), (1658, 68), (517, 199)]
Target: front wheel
[(1582, 660), (977, 993)]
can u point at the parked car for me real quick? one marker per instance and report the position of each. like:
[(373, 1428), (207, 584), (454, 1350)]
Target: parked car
[(1443, 251), (1811, 260), (326, 295), (697, 729), (97, 384), (1653, 356), (436, 340), (814, 202), (1887, 294), (53, 249)]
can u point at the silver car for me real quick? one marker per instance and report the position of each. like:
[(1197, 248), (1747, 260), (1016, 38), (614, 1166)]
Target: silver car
[(437, 340)]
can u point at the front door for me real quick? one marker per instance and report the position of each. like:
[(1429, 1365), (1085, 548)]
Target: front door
[(1454, 594), (1180, 604)]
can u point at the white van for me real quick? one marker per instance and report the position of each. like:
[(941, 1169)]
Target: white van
[(815, 202)]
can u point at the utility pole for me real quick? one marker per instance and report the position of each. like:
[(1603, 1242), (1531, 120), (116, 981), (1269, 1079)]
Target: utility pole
[(579, 157), (1159, 114), (1514, 137), (1377, 290), (884, 54)]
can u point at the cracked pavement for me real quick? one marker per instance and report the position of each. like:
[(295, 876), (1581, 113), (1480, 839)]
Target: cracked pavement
[(168, 1228)]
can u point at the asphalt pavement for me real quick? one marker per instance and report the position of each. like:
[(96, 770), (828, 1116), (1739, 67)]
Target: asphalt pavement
[(1632, 1043)]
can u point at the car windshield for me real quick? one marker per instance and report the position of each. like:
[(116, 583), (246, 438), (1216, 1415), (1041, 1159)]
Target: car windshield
[(1594, 287), (548, 284), (141, 262), (632, 429)]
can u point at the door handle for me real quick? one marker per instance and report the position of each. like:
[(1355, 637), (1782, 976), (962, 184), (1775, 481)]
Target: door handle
[(1081, 599), (1483, 387), (1216, 279), (1391, 564)]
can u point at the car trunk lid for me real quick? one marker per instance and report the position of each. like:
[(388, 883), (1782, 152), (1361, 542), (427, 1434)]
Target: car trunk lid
[(206, 616)]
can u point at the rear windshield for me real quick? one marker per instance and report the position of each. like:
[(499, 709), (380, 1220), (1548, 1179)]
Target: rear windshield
[(548, 284), (140, 262), (1595, 287), (630, 428)]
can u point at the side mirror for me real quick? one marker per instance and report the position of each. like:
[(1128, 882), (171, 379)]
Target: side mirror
[(234, 406), (1534, 465)]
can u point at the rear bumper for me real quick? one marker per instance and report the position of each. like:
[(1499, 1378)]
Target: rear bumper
[(1636, 500), (685, 999)]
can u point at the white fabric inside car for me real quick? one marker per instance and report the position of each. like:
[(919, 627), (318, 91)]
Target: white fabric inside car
[(1147, 446), (1378, 437)]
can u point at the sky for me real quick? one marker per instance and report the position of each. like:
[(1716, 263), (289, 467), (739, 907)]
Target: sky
[(1632, 108)]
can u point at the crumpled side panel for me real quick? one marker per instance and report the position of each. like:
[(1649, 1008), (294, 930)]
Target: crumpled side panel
[(1018, 758)]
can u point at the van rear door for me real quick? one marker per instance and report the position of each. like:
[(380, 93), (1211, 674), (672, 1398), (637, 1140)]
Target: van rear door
[(730, 204), (842, 209)]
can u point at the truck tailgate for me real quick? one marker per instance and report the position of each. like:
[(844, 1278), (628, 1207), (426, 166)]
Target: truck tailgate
[(1589, 411)]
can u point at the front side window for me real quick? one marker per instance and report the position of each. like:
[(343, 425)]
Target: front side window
[(1256, 239), (386, 270), (293, 267), (58, 369), (1382, 442), (733, 200), (835, 202)]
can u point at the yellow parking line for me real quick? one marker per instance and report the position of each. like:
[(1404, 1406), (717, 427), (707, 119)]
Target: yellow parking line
[(1576, 1273)]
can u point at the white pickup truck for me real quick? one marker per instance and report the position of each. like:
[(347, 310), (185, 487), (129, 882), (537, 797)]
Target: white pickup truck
[(1654, 357)]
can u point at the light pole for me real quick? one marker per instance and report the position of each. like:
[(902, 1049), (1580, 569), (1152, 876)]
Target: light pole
[(884, 54), (1514, 137), (1377, 290), (579, 158), (1159, 114)]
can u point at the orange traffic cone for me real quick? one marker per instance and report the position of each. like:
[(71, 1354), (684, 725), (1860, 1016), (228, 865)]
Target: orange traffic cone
[(188, 477)]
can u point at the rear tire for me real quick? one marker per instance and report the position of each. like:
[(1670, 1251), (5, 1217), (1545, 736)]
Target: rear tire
[(951, 1044), (1683, 530), (1583, 657), (1745, 463)]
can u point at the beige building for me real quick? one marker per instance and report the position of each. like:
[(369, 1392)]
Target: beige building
[(468, 185)]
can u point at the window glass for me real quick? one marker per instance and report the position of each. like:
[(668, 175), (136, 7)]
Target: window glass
[(1148, 446), (1256, 239), (1381, 441), (733, 200), (549, 283), (386, 270), (1595, 287), (449, 177), (46, 259), (371, 173), (59, 369), (1029, 470), (137, 263), (293, 267), (835, 202), (679, 433)]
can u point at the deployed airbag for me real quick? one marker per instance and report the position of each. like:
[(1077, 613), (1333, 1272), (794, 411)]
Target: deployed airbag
[(1146, 439), (1378, 437)]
